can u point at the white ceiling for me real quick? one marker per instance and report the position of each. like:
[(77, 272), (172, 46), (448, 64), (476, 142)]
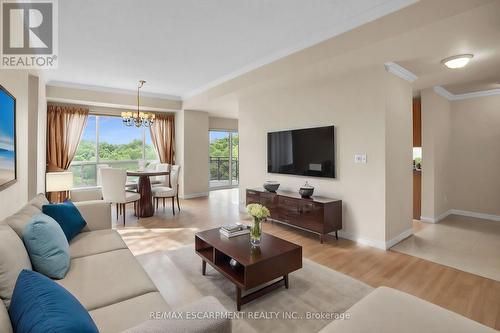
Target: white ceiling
[(182, 47)]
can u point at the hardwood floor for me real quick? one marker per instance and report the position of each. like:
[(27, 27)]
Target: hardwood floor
[(470, 295)]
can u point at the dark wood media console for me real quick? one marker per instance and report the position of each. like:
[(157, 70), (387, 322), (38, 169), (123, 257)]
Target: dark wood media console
[(319, 215)]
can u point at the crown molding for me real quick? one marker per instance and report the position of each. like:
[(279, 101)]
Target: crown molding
[(61, 84), (458, 97), (107, 105), (400, 71), (444, 93)]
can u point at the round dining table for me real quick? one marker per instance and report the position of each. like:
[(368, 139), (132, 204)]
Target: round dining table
[(146, 208)]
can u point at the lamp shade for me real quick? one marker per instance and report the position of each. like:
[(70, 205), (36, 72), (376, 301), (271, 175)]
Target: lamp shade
[(59, 181)]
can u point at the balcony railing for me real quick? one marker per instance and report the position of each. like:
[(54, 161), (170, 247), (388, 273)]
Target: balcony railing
[(85, 173), (219, 168)]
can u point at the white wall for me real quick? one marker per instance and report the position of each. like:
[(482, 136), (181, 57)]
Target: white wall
[(33, 128), (218, 123), (460, 156), (29, 90), (16, 196), (436, 135), (192, 152), (357, 104), (398, 171), (474, 165), (179, 148), (41, 135)]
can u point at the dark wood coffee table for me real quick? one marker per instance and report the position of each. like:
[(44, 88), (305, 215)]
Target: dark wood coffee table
[(275, 258)]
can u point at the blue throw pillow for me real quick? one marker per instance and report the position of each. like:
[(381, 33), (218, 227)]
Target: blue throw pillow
[(47, 246), (40, 305), (68, 217)]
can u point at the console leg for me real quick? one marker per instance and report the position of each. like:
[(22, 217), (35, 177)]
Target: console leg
[(285, 277), (203, 267), (238, 298), (321, 238), (337, 234)]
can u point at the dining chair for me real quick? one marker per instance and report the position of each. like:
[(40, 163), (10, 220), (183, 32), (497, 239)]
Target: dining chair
[(161, 180), (113, 190), (99, 167), (166, 191)]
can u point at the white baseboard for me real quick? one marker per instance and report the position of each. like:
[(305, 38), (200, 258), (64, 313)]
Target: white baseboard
[(405, 234), (443, 216), (376, 243), (365, 241), (435, 219), (427, 219), (461, 213), (194, 195), (475, 214)]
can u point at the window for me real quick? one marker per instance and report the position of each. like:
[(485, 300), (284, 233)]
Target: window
[(83, 165), (106, 141)]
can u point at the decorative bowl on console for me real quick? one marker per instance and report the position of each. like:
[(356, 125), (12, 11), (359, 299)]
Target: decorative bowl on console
[(271, 186), (306, 190)]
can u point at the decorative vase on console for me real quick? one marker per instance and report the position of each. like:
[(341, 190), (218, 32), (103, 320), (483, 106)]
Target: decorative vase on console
[(259, 213)]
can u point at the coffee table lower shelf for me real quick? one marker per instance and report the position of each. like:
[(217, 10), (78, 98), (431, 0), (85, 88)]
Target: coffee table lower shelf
[(254, 274), (240, 299)]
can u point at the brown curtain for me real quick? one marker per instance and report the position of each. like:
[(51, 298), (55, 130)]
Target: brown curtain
[(163, 137), (65, 125)]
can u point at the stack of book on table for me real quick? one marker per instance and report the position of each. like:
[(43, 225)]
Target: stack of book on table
[(231, 230)]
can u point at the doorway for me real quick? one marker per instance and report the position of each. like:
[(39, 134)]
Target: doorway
[(223, 159)]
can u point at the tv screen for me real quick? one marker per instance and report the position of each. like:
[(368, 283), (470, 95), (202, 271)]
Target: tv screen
[(304, 152)]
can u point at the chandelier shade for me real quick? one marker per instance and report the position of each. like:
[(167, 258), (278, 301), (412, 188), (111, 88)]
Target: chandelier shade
[(138, 118)]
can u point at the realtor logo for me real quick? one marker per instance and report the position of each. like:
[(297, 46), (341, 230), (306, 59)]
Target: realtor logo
[(29, 34)]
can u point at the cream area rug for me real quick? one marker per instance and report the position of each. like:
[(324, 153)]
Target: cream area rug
[(468, 244), (313, 289)]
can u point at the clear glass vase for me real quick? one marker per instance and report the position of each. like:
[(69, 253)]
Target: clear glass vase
[(256, 232)]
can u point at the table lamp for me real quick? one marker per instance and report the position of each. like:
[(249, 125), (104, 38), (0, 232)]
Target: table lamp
[(58, 182)]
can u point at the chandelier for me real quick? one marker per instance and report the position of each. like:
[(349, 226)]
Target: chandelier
[(138, 118)]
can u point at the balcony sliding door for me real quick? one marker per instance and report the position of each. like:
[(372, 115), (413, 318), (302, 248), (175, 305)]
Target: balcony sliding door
[(223, 164)]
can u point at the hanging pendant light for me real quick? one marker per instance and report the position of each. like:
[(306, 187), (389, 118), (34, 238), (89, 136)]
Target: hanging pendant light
[(138, 118)]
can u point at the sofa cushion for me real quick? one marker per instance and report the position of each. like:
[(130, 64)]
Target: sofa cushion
[(387, 310), (95, 242), (47, 246), (41, 305), (19, 220), (106, 278), (5, 325), (13, 260), (110, 319), (96, 213), (68, 217), (39, 201)]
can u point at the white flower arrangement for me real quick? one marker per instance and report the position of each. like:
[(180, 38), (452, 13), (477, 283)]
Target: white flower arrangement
[(257, 211)]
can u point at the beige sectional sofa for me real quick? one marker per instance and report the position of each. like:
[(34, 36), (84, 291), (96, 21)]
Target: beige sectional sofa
[(386, 310), (107, 279)]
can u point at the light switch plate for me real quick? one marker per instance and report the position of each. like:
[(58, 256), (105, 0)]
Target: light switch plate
[(360, 158)]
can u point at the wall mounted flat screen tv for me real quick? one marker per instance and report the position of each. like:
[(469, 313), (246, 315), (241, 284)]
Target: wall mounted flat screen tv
[(304, 152)]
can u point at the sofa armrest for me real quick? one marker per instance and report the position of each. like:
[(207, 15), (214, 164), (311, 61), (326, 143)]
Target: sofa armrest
[(193, 319), (97, 214), (392, 311), (86, 194)]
